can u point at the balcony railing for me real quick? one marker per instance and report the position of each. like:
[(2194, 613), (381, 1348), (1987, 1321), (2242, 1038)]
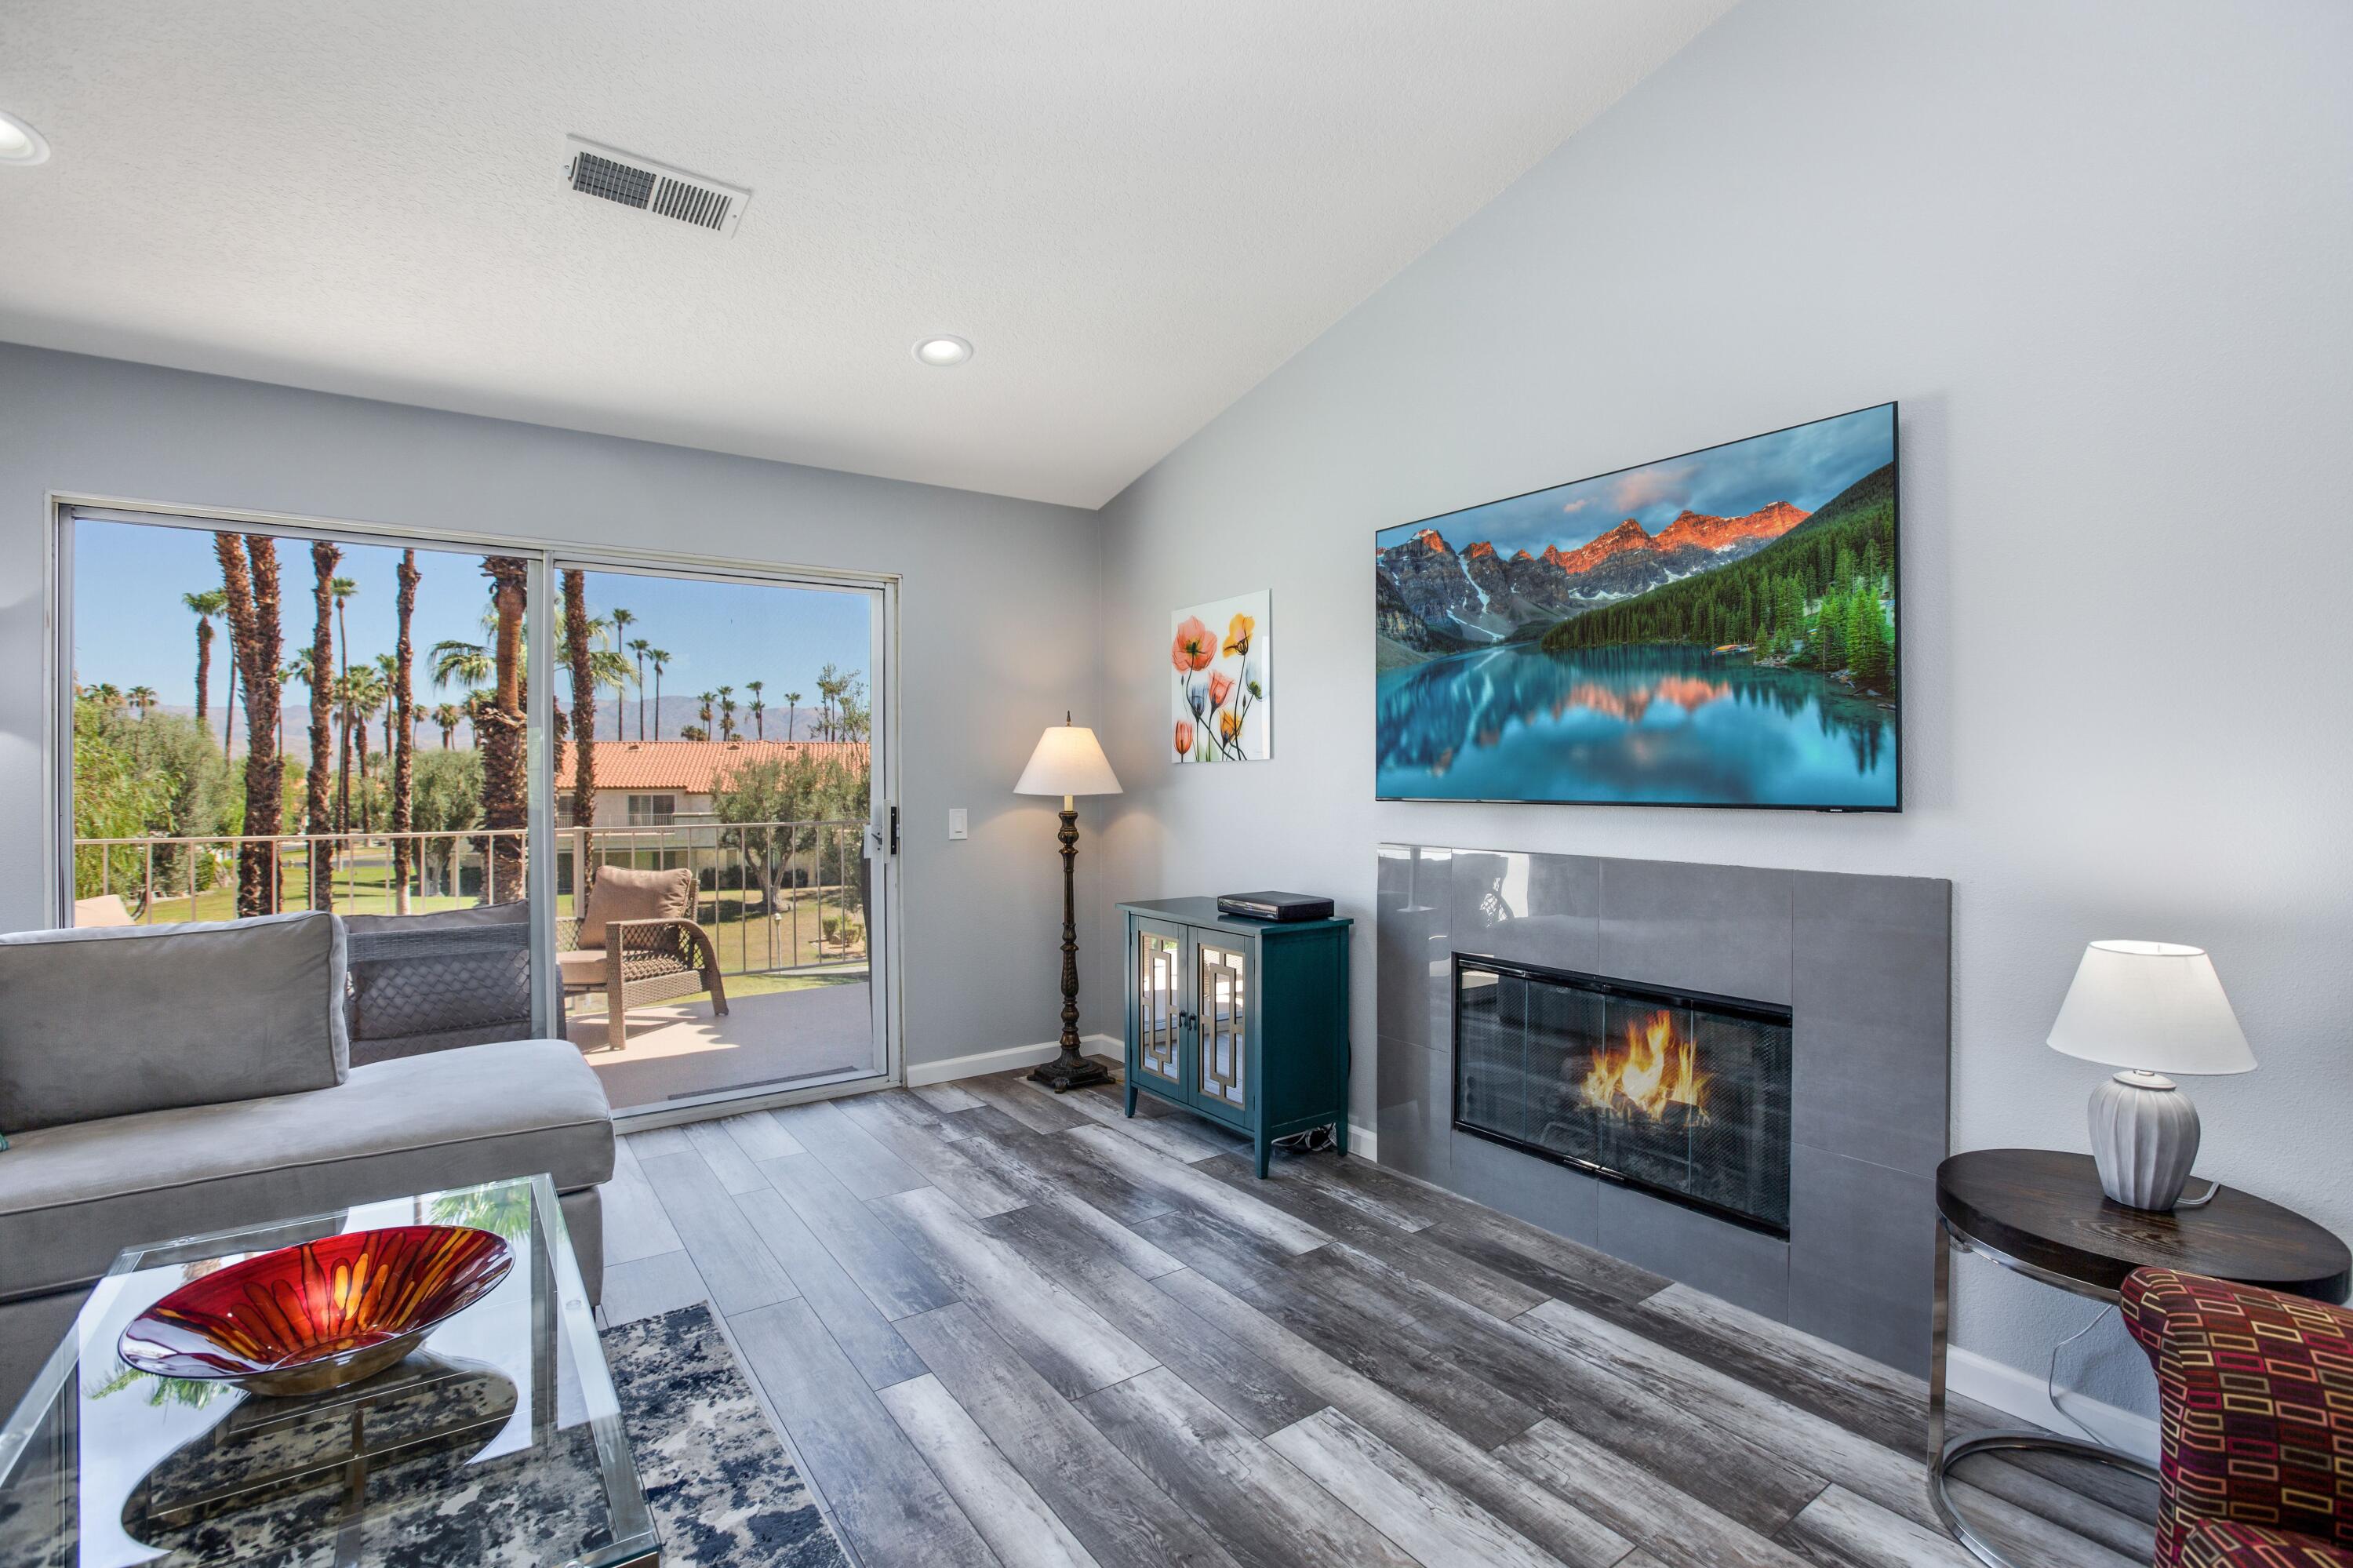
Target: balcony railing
[(775, 896)]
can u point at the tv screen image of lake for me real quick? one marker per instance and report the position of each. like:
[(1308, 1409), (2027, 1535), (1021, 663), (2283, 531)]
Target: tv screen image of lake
[(1716, 629), (1660, 725)]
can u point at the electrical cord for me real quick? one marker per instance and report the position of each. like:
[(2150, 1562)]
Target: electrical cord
[(2050, 1382)]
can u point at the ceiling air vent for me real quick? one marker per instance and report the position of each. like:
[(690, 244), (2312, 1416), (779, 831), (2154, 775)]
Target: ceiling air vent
[(657, 188)]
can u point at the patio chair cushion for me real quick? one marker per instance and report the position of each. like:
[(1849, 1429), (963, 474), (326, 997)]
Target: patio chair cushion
[(113, 1021), (72, 1197), (585, 969), (620, 893)]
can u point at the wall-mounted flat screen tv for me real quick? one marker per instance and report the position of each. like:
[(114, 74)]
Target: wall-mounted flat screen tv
[(1718, 628)]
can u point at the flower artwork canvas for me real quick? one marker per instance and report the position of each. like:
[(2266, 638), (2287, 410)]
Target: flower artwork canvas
[(1222, 668)]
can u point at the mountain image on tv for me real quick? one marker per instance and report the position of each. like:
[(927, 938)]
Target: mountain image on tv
[(1717, 629)]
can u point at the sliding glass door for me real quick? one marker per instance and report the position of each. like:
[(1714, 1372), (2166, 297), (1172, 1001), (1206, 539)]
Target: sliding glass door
[(720, 831), (255, 720), (641, 806)]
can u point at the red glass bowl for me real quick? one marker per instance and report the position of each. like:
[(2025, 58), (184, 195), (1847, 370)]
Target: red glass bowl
[(329, 1312)]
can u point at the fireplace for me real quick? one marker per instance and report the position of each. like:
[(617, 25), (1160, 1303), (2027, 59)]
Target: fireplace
[(1682, 1094)]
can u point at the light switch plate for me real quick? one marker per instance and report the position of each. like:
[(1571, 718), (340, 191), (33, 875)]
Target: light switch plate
[(956, 829)]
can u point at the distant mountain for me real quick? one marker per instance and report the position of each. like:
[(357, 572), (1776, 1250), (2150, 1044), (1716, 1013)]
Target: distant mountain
[(1479, 596), (1866, 495)]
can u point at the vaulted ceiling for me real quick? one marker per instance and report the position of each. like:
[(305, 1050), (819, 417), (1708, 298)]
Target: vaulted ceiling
[(1133, 211)]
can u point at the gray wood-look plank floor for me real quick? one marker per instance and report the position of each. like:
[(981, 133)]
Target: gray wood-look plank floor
[(996, 1327)]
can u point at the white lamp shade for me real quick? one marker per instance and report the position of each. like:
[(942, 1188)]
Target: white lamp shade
[(1069, 761), (2156, 1006)]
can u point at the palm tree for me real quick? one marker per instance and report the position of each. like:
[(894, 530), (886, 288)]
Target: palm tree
[(613, 669), (499, 726), (792, 712), (106, 695), (342, 589), (706, 699), (316, 662), (759, 729), (362, 691), (693, 732), (657, 657), (250, 578), (229, 698), (445, 715), (726, 713), (460, 664), (293, 672), (387, 670), (830, 683), (619, 620), (142, 698), (640, 647), (204, 607), (404, 741), (584, 723)]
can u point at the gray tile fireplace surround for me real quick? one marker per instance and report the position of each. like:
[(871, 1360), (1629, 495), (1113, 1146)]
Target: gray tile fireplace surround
[(1864, 964)]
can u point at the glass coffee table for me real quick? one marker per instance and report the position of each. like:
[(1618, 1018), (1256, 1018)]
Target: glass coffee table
[(498, 1441)]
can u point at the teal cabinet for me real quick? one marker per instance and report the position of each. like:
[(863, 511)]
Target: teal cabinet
[(1244, 1022)]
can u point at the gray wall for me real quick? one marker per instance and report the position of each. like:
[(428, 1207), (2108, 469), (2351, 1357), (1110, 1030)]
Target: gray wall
[(2097, 250), (995, 634)]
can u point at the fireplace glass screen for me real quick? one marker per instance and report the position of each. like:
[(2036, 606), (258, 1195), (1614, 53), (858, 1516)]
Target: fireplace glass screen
[(1685, 1095)]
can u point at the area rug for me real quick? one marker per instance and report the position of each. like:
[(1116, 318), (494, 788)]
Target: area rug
[(719, 1487)]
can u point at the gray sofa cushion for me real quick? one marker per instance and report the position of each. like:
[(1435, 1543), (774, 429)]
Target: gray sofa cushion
[(72, 1197), (109, 1023)]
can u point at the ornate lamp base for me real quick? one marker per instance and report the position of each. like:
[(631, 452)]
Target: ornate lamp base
[(2144, 1139), (1069, 1070)]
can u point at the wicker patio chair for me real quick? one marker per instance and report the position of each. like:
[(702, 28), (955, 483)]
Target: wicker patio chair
[(647, 946), (433, 983)]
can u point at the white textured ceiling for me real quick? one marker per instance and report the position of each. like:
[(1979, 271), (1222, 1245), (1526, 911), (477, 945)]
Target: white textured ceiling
[(1135, 210)]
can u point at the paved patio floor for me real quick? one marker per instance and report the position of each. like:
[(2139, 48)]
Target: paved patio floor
[(677, 1050)]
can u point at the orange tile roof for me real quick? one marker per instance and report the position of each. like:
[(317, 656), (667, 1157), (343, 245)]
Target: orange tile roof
[(691, 766)]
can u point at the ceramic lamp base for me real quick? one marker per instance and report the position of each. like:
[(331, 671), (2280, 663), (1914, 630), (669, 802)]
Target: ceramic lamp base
[(2144, 1139)]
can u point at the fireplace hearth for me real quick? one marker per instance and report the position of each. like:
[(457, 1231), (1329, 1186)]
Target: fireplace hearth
[(1684, 1094), (1807, 1194)]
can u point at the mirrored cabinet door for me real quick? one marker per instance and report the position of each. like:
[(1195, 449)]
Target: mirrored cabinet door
[(1222, 985), (1159, 1005)]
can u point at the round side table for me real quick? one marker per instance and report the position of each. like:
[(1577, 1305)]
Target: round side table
[(2040, 1212)]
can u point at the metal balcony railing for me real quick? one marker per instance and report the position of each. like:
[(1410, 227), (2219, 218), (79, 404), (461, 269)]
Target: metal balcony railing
[(777, 896)]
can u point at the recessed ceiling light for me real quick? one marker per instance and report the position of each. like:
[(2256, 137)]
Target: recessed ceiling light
[(19, 143), (942, 352)]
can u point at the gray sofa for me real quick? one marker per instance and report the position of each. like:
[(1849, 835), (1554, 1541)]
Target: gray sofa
[(164, 1081)]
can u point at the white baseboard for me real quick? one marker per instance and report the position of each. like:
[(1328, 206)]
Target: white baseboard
[(2023, 1395), (1364, 1143), (983, 1062)]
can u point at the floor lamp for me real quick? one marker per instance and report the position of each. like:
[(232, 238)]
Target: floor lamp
[(1069, 762)]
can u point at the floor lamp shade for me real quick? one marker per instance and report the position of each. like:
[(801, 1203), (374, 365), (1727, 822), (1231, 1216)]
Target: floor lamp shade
[(2151, 1008), (1069, 762)]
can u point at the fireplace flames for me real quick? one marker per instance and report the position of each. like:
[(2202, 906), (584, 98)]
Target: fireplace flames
[(1657, 1069)]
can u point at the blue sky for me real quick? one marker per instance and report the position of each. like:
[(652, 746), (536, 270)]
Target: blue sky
[(1804, 466), (130, 629)]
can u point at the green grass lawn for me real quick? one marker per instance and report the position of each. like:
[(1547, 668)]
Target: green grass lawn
[(751, 939)]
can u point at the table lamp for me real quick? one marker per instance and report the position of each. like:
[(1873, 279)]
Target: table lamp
[(2151, 1008), (1069, 762)]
